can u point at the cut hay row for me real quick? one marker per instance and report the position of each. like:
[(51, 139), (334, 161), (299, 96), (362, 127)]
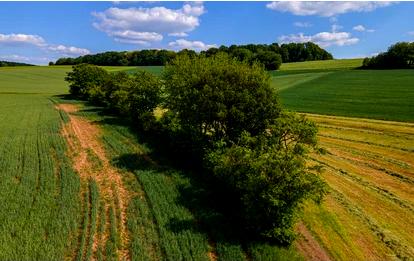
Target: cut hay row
[(369, 166)]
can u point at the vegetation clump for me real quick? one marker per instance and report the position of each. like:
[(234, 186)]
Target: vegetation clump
[(271, 56), (398, 56), (224, 113)]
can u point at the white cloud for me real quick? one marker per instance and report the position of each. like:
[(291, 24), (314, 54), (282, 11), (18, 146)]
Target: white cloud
[(145, 25), (17, 40), (68, 50), (325, 9), (196, 10), (24, 59), (361, 28), (302, 24), (194, 45), (14, 58), (21, 39), (178, 34), (323, 39), (135, 37)]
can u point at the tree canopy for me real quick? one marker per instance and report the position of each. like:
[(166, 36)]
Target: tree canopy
[(398, 56), (270, 55)]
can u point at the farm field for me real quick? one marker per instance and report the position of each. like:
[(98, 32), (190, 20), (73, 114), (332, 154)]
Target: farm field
[(39, 191), (107, 195), (385, 94), (369, 168)]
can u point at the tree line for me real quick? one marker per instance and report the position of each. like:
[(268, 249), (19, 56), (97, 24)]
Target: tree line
[(5, 63), (221, 116), (398, 56), (271, 56)]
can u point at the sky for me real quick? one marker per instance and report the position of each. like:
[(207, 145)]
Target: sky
[(39, 32)]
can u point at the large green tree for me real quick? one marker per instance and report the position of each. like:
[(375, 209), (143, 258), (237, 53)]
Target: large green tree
[(219, 97), (255, 150), (84, 77)]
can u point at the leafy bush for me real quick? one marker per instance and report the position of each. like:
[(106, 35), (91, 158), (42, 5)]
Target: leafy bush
[(398, 56), (84, 77), (219, 97), (139, 97), (270, 60), (268, 173), (228, 111)]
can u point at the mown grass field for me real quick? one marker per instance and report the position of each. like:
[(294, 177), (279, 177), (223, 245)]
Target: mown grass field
[(369, 168), (57, 204)]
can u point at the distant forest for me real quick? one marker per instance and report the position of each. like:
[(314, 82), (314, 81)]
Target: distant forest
[(271, 55), (5, 63)]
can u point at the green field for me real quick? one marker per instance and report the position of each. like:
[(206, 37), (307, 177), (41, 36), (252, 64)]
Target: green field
[(79, 184), (341, 64), (384, 94)]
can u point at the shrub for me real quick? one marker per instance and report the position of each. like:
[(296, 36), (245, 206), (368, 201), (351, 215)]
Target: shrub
[(268, 173), (270, 60), (84, 77), (219, 97), (139, 97)]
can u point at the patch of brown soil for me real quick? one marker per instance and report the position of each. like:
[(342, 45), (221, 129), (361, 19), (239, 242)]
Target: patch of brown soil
[(308, 245), (83, 139)]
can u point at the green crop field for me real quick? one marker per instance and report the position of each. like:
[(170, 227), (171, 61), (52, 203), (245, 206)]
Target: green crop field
[(79, 184), (39, 191), (340, 64), (383, 94)]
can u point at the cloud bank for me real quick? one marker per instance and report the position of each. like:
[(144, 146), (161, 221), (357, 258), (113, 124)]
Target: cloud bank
[(325, 9), (148, 25)]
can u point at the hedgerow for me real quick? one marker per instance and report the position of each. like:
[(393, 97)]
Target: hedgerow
[(224, 114)]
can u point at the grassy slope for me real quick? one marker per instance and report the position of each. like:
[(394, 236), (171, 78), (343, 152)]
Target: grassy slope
[(323, 65), (38, 189), (321, 87)]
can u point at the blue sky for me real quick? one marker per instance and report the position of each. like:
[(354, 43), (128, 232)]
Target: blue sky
[(39, 32)]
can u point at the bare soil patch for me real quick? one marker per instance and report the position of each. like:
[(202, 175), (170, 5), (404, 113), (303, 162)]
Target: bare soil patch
[(83, 139), (309, 246)]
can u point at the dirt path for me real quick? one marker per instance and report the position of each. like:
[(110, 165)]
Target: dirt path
[(308, 245), (90, 161)]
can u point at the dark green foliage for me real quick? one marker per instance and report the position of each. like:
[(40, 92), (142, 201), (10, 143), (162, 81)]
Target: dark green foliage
[(259, 151), (139, 97), (270, 60), (398, 56), (133, 96), (300, 52), (270, 55), (84, 77), (219, 97), (268, 172), (6, 63)]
